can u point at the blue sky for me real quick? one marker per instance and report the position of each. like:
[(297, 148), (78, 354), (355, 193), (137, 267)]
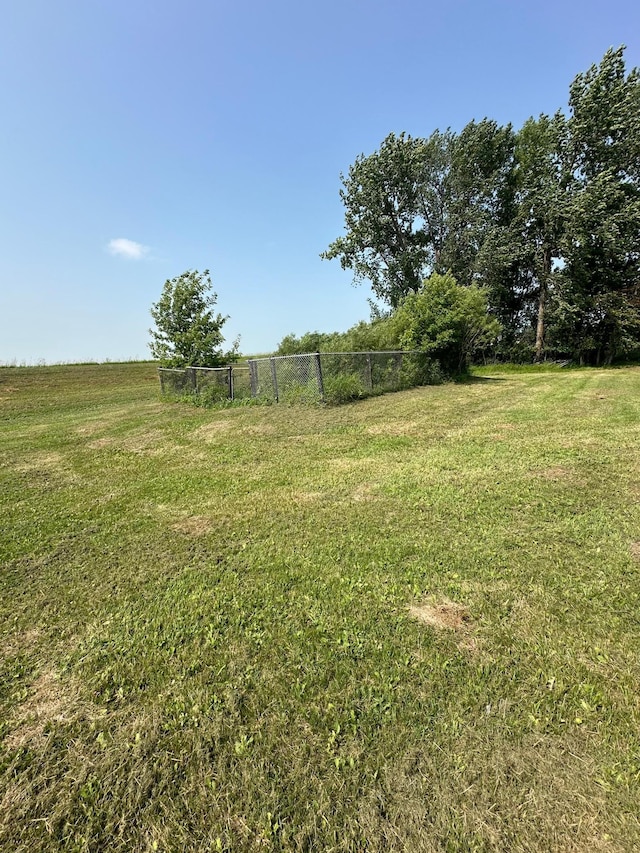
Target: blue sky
[(212, 135)]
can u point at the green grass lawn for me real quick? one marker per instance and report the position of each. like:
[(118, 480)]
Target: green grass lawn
[(407, 624)]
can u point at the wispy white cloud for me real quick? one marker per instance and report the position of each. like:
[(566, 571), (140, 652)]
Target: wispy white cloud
[(128, 249)]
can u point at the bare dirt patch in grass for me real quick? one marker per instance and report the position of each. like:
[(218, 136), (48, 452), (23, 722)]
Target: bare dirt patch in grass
[(446, 615), (635, 550)]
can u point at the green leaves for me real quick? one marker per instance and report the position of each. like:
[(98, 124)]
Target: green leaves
[(602, 243), (419, 205), (446, 320), (546, 219), (187, 331), (382, 195)]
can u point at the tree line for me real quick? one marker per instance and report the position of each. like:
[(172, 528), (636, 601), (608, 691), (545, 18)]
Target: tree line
[(494, 242), (543, 223)]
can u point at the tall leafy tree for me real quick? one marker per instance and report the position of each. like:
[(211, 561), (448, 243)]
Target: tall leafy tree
[(547, 219), (600, 297), (187, 331), (480, 184), (541, 197), (422, 205), (434, 196), (518, 256), (383, 241)]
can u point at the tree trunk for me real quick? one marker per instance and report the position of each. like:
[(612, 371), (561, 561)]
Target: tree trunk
[(542, 299)]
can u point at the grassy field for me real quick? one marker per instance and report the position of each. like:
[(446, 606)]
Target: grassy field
[(408, 624)]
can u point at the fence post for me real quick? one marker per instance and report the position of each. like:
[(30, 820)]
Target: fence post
[(319, 376), (230, 382), (369, 373), (274, 378), (253, 377)]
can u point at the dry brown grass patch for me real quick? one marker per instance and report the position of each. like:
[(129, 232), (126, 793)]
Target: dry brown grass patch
[(363, 492), (6, 392), (95, 426), (546, 785), (20, 643), (42, 461), (635, 550), (100, 443), (446, 615), (394, 428), (194, 525), (148, 442), (48, 702), (349, 464), (556, 473), (306, 497), (257, 429), (502, 431), (117, 416), (443, 615), (210, 431)]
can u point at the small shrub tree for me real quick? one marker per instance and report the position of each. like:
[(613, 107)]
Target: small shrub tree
[(187, 331), (446, 320)]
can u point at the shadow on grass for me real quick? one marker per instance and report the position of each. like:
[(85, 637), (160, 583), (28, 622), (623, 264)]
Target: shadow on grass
[(469, 379)]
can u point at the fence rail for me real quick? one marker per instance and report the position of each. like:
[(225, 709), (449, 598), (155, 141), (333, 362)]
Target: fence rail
[(333, 377)]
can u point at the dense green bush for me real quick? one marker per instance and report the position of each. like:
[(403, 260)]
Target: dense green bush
[(212, 394), (344, 388), (448, 321)]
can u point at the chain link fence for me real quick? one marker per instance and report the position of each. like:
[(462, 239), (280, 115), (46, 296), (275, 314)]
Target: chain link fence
[(212, 384), (336, 377), (332, 377)]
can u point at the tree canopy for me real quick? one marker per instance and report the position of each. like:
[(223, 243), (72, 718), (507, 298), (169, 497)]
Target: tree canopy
[(545, 218), (187, 331)]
